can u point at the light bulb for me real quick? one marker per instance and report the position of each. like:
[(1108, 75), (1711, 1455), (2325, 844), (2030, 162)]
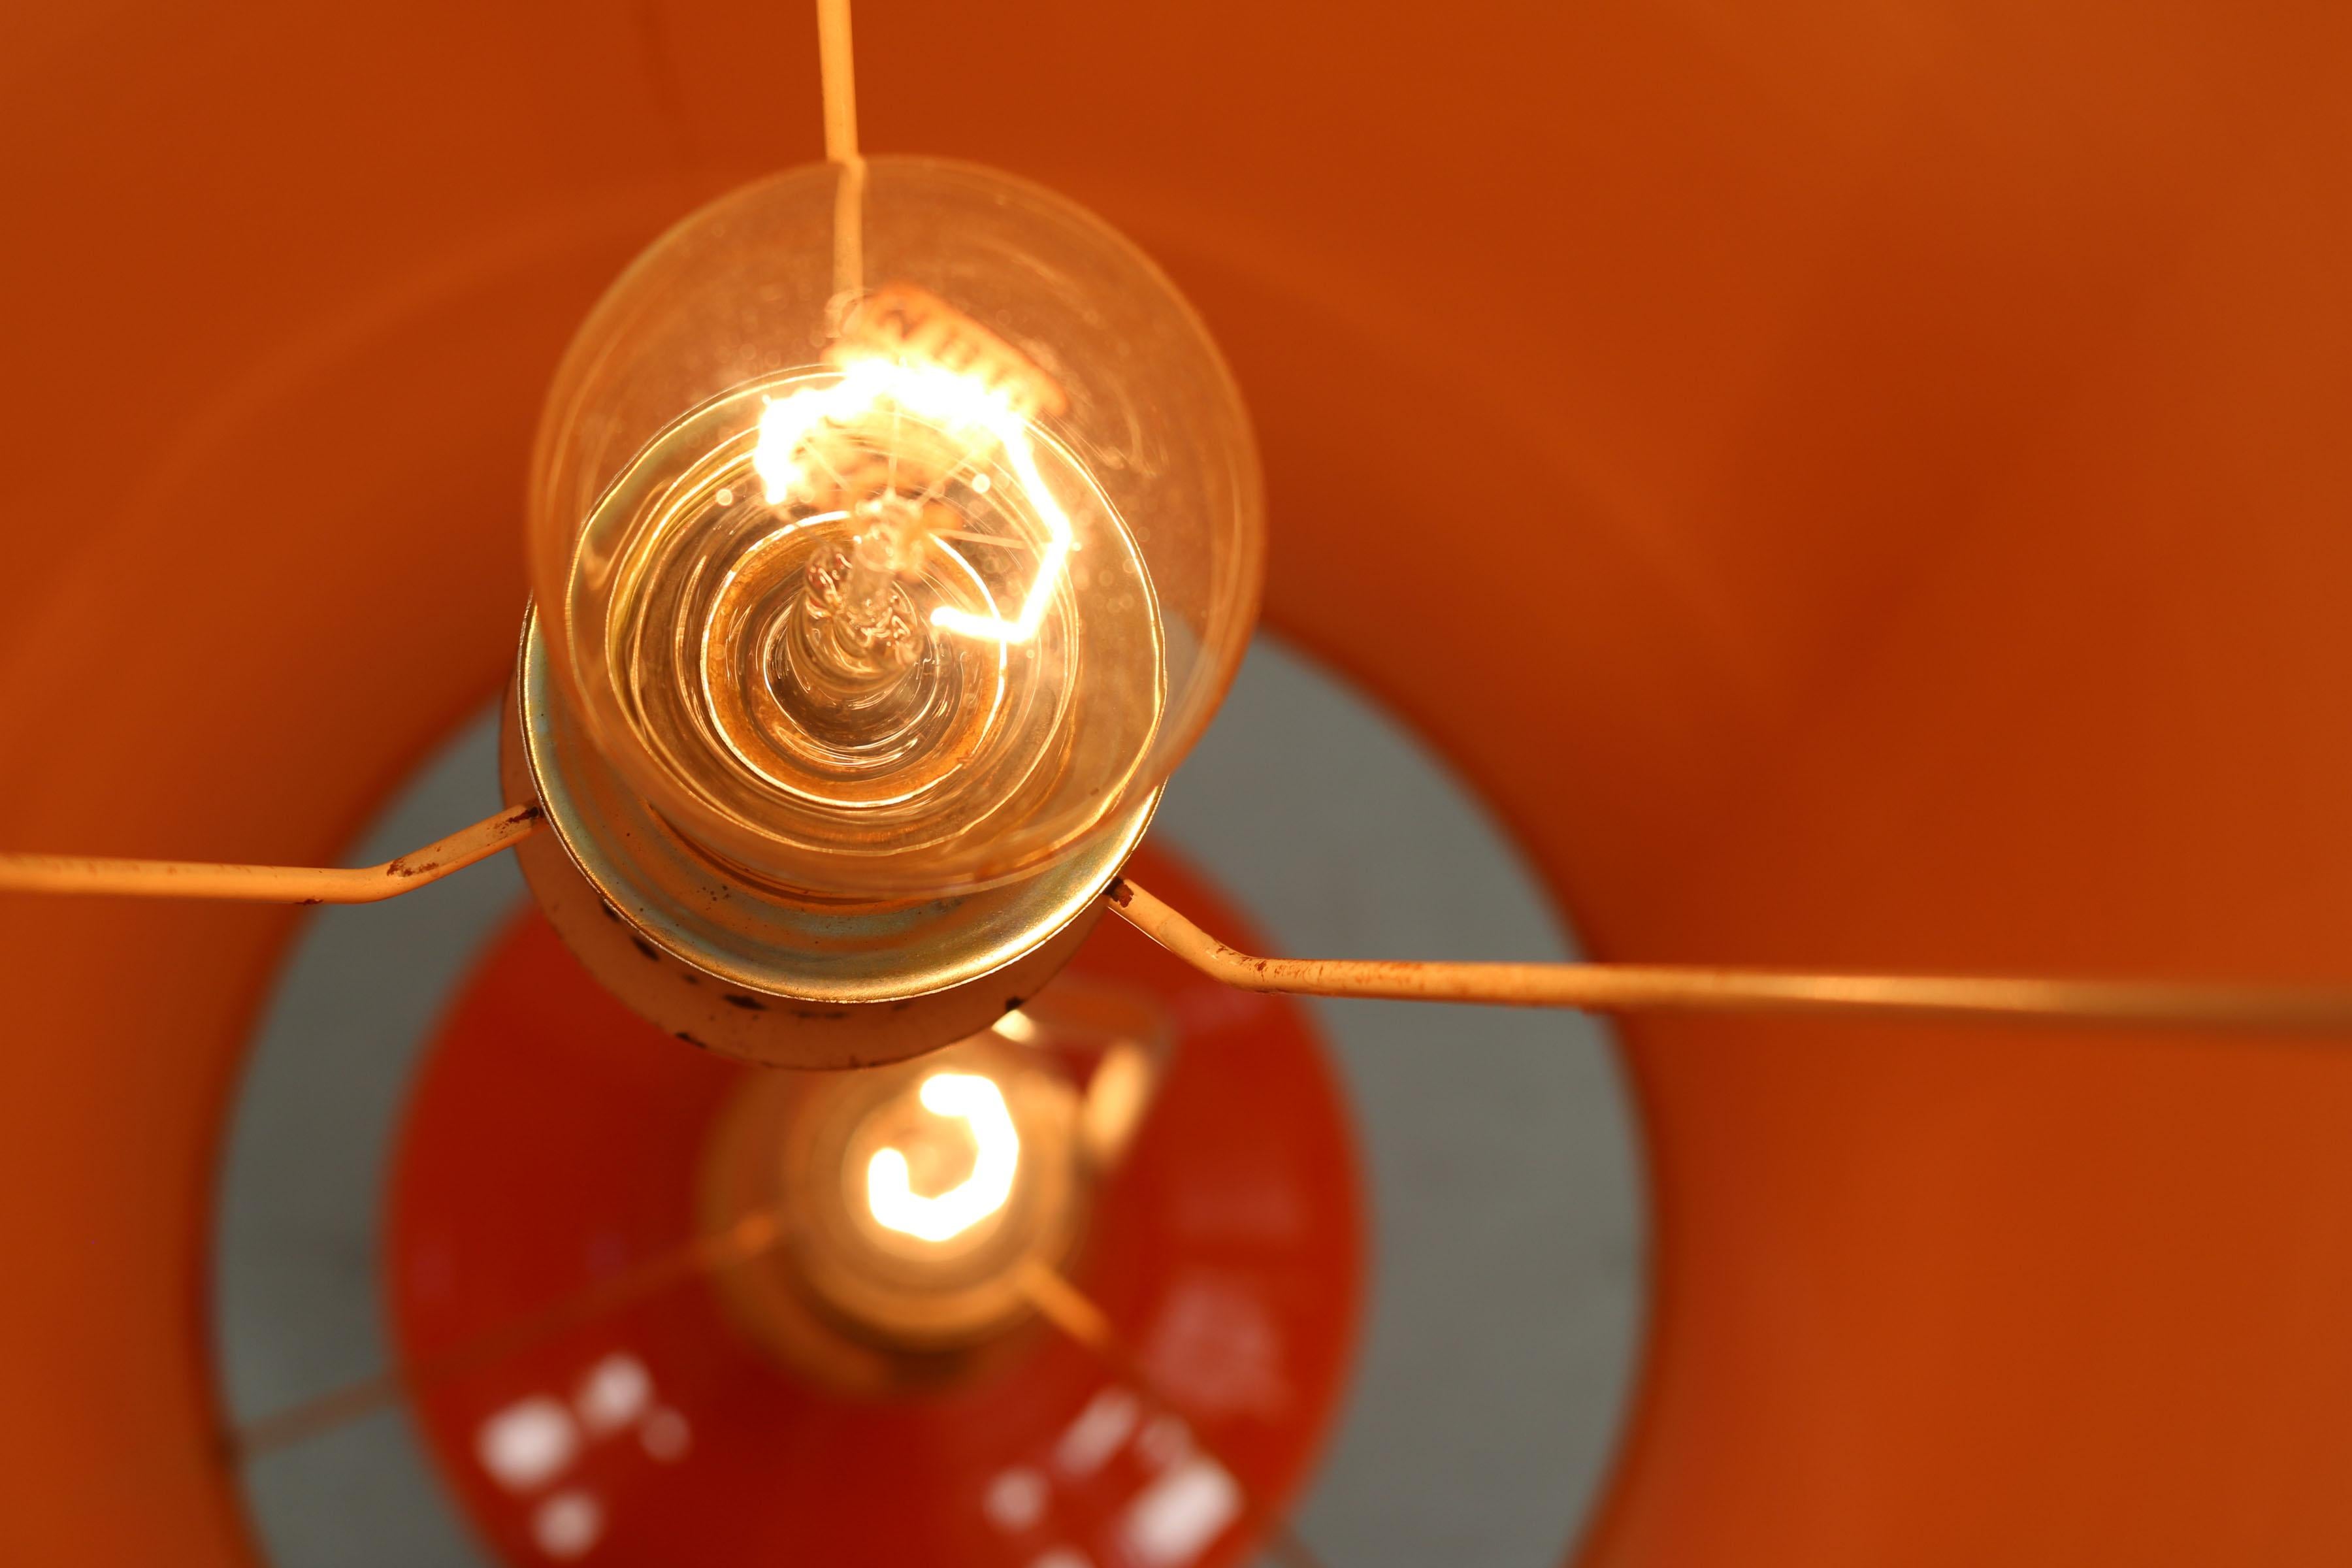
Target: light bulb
[(894, 530)]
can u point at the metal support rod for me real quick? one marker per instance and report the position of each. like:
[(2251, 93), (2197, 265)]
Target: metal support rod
[(1068, 1309), (747, 1238), (270, 884), (1637, 988), (1589, 987)]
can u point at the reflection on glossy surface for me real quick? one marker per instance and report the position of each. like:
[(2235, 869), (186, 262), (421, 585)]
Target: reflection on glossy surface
[(1226, 1248), (995, 1157), (1480, 1411)]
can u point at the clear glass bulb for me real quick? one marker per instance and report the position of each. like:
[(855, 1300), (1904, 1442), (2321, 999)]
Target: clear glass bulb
[(893, 530)]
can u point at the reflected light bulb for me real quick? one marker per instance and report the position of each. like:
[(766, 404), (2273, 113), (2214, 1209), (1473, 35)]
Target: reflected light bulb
[(889, 585), (996, 1161)]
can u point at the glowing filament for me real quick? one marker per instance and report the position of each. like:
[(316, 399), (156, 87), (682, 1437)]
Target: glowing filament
[(980, 1104), (949, 399)]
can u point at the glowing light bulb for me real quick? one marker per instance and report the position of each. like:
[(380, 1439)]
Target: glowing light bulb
[(996, 1160), (890, 586)]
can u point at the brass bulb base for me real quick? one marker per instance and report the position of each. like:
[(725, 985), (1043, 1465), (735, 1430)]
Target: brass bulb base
[(730, 965)]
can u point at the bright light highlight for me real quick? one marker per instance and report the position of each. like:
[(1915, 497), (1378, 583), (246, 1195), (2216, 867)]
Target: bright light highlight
[(979, 1103), (943, 397)]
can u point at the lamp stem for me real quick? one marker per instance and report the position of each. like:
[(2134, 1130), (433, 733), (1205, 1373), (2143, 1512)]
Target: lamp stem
[(837, 68)]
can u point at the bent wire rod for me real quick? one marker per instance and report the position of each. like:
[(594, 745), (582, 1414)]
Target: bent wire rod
[(271, 884), (1053, 1296), (1638, 987), (1589, 987)]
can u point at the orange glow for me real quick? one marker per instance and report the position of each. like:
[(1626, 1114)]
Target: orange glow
[(890, 1194), (944, 397)]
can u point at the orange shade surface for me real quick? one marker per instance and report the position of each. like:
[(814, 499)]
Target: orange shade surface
[(1854, 483)]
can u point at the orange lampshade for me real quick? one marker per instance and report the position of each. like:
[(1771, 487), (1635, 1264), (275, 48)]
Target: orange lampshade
[(1852, 486)]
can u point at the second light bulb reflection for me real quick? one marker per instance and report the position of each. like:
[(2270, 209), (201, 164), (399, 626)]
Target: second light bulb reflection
[(989, 1147), (916, 1203)]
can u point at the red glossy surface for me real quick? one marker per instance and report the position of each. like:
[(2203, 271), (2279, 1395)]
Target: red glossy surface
[(553, 1141)]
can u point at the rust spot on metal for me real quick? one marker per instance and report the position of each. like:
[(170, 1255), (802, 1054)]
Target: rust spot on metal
[(690, 1040), (749, 1003), (642, 945), (1120, 893), (310, 901)]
